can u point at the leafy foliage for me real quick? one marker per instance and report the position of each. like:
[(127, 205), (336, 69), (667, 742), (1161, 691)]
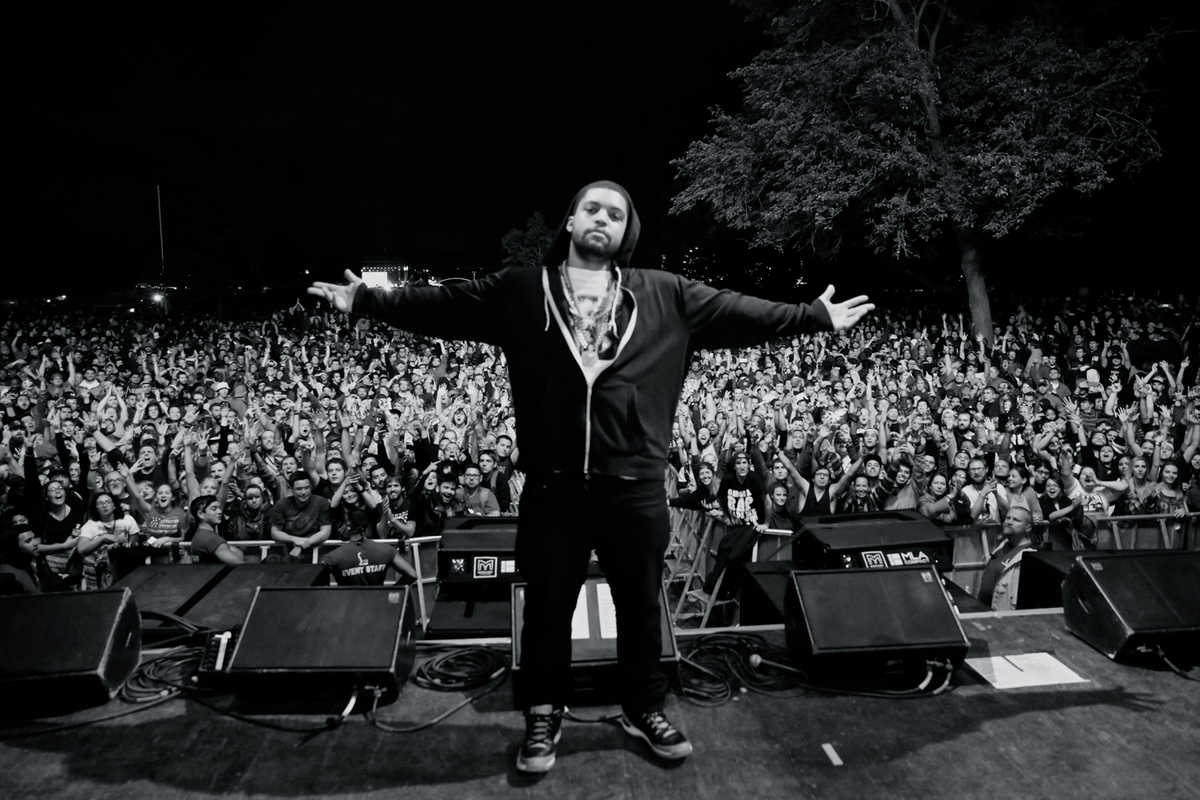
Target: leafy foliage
[(898, 122), (524, 247)]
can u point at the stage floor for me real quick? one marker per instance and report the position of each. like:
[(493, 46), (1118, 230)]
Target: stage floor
[(1126, 733)]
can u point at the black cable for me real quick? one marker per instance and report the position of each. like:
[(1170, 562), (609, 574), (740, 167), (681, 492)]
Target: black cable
[(174, 620), (1171, 664), (898, 694), (190, 630), (714, 668), (383, 726), (330, 723), (460, 668), (705, 689), (717, 667), (163, 676), (170, 674), (150, 685), (455, 669), (83, 723)]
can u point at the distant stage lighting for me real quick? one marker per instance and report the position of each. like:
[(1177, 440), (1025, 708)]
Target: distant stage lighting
[(376, 279)]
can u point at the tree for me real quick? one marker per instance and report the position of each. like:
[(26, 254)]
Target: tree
[(524, 247), (905, 122)]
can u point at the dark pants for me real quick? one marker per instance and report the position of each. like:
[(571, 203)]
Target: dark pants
[(735, 547), (564, 518)]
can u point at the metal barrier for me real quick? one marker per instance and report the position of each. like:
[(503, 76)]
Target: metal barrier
[(975, 544), (694, 538), (695, 535)]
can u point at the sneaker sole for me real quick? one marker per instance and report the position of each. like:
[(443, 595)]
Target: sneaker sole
[(537, 763), (670, 753)]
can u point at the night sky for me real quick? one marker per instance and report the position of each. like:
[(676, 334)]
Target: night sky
[(307, 138)]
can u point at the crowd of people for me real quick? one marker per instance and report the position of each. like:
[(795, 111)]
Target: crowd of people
[(125, 436)]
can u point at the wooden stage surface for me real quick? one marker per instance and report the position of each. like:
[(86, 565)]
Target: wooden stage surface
[(1128, 732)]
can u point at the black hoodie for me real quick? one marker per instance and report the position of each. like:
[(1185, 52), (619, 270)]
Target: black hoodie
[(613, 418)]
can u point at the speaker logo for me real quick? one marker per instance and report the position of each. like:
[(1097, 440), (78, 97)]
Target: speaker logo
[(873, 559), (486, 567)]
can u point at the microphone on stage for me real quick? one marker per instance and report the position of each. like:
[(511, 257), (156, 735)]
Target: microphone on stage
[(756, 661)]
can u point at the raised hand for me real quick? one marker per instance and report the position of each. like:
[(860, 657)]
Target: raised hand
[(339, 296), (844, 315)]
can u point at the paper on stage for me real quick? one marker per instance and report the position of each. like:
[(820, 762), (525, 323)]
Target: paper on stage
[(579, 620), (1019, 671), (607, 612)]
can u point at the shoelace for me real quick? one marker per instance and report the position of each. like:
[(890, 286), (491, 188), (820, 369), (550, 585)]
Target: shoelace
[(659, 723), (541, 728)]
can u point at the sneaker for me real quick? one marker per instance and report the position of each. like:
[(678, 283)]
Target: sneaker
[(657, 731), (542, 732)]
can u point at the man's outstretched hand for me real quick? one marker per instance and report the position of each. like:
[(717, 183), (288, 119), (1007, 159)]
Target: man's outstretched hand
[(341, 296), (843, 314)]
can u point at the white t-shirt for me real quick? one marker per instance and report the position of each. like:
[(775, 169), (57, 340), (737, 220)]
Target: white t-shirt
[(93, 528)]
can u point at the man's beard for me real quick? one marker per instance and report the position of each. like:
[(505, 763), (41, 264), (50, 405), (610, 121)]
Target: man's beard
[(591, 249)]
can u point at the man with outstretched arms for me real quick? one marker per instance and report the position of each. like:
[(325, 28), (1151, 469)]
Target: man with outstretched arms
[(597, 352)]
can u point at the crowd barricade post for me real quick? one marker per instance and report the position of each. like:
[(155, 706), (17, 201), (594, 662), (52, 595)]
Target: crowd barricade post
[(710, 532), (774, 543), (972, 548), (684, 547), (424, 561)]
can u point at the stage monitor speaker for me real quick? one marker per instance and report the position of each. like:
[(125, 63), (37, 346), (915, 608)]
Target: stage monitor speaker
[(214, 596), (1126, 606), (594, 678), (762, 592), (879, 540), (489, 618), (318, 643), (67, 649), (870, 621), (477, 556), (1043, 573)]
